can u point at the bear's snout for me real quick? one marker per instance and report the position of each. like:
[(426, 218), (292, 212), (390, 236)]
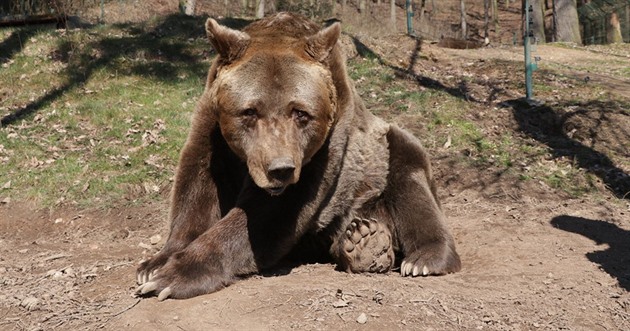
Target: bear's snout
[(281, 169)]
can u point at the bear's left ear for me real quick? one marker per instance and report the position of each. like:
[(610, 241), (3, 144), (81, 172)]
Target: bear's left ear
[(229, 43), (320, 44)]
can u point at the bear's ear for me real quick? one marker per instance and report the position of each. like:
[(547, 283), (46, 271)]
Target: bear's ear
[(320, 44), (229, 43)]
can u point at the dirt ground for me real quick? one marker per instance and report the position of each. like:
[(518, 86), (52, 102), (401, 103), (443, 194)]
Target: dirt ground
[(530, 262), (533, 259)]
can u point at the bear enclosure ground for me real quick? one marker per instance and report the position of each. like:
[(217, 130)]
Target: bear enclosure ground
[(536, 196)]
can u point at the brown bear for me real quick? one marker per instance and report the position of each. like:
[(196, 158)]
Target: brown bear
[(282, 150)]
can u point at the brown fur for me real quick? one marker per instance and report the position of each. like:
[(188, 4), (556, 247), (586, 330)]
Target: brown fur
[(281, 148)]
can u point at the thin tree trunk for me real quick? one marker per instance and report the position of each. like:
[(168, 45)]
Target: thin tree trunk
[(422, 10), (495, 16), (362, 6), (463, 19), (486, 18), (554, 16), (260, 11), (243, 7), (392, 14)]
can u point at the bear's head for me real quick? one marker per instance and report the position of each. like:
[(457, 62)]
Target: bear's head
[(273, 95)]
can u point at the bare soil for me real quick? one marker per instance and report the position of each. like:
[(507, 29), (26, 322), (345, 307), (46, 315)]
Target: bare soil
[(530, 262), (533, 256)]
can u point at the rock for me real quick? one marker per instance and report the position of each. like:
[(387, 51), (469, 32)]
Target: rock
[(362, 319), (30, 303), (155, 239)]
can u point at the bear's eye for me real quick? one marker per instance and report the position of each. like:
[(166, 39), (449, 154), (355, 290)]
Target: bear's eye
[(301, 115), (249, 112)]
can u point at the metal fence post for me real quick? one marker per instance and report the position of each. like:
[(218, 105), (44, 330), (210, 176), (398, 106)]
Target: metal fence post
[(526, 43)]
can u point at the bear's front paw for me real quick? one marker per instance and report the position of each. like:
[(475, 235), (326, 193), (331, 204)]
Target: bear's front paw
[(437, 258), (183, 276)]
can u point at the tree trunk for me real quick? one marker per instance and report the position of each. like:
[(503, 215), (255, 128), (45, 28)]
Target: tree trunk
[(486, 18), (495, 16), (538, 16), (190, 7), (260, 11), (463, 19), (362, 6), (422, 10), (614, 29), (568, 29), (392, 14)]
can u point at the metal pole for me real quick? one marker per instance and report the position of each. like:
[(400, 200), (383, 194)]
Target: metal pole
[(528, 60), (409, 15)]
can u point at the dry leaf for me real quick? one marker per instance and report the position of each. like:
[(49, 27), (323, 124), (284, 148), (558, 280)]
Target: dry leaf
[(447, 144)]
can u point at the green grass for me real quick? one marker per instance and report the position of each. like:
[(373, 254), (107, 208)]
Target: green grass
[(110, 110)]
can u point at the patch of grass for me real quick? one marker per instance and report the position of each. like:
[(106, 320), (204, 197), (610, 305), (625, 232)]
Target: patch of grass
[(108, 112)]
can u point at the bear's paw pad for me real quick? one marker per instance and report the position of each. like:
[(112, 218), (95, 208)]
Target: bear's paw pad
[(368, 246)]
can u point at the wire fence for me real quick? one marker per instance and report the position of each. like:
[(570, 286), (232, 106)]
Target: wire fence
[(605, 21)]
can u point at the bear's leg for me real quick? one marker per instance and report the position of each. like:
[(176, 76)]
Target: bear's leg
[(364, 246), (207, 264), (206, 186), (258, 232), (420, 230)]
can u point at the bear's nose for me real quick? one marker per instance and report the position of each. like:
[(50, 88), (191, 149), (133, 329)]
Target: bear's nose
[(281, 168)]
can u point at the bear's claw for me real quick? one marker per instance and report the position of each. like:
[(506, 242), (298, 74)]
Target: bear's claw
[(152, 288), (436, 258), (145, 276), (409, 269)]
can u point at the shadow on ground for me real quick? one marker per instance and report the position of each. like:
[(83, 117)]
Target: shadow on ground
[(162, 53), (15, 43), (461, 91), (615, 260), (581, 132)]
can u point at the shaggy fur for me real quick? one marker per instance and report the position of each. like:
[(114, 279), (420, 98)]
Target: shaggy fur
[(282, 149)]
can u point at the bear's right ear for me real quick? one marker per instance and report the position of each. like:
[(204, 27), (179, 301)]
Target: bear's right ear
[(319, 45), (229, 43)]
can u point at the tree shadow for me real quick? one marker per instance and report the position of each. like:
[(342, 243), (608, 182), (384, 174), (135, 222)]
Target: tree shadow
[(15, 43), (573, 130), (615, 260), (461, 91), (161, 53)]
